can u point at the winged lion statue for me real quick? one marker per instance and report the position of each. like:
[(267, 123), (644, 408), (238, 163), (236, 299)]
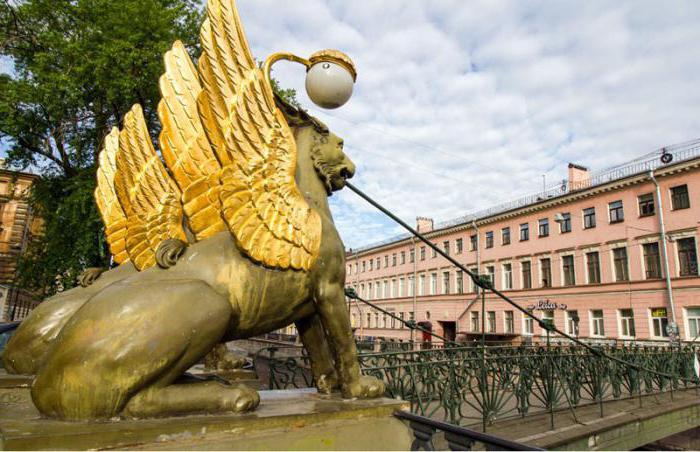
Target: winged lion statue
[(226, 234)]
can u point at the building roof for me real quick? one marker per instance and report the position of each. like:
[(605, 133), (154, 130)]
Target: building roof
[(681, 152)]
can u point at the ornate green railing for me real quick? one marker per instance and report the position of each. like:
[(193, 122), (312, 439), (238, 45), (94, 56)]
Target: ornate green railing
[(467, 385)]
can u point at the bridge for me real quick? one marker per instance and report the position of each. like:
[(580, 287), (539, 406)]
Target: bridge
[(547, 396)]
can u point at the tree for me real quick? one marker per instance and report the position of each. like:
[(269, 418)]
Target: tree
[(79, 65)]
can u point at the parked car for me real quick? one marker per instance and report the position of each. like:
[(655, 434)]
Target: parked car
[(6, 330)]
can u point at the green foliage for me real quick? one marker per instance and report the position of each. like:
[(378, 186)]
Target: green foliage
[(289, 95), (79, 66)]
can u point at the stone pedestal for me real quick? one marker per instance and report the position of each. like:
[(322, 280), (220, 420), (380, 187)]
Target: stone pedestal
[(285, 420)]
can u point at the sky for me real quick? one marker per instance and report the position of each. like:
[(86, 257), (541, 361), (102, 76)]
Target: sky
[(460, 105)]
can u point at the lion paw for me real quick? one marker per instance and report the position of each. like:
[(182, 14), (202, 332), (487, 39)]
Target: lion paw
[(240, 399), (169, 251), (89, 276), (365, 388), (327, 383)]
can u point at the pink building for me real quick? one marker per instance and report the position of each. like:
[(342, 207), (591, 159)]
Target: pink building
[(587, 254)]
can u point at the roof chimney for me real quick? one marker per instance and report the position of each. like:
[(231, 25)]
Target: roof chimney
[(424, 224), (578, 177)]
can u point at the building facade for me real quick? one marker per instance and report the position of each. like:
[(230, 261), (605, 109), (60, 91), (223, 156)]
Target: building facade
[(588, 254), (17, 224)]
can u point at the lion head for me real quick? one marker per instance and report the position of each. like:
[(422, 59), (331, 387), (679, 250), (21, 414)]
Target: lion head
[(332, 166)]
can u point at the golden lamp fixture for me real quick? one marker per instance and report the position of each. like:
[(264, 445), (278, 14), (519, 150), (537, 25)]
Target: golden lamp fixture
[(330, 75)]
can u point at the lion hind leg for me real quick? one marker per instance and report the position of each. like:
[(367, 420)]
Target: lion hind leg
[(205, 397), (132, 341)]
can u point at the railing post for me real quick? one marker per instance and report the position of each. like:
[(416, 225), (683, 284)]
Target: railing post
[(550, 384)]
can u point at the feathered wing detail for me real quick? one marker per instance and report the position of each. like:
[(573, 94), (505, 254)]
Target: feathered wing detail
[(261, 202), (149, 197), (107, 201), (185, 147)]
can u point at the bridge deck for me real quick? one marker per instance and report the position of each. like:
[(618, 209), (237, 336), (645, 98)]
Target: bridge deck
[(625, 424)]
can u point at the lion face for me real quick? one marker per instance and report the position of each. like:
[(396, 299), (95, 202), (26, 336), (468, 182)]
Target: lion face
[(332, 165)]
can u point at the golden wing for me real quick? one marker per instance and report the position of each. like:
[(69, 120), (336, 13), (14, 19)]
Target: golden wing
[(185, 147), (261, 203), (106, 198), (150, 199)]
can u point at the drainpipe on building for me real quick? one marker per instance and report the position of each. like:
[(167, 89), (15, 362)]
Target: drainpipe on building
[(415, 283), (478, 257), (673, 327)]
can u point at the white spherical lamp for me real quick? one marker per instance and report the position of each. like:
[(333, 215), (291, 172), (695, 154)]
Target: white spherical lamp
[(330, 78)]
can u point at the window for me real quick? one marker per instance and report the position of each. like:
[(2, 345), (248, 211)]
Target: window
[(433, 253), (508, 322), (491, 273), (379, 291), (363, 266), (386, 289), (393, 260), (526, 274), (652, 261), (401, 316), (402, 287), (646, 205), (474, 321), (369, 320), (593, 266), (659, 322), (589, 218), (422, 253), (524, 232), (627, 323), (546, 270), (473, 239), (473, 286), (491, 321), (446, 283), (379, 263), (459, 246), (386, 261), (547, 317), (489, 239), (412, 255), (433, 283), (421, 285), (620, 261), (459, 282), (679, 197), (543, 230), (693, 323), (567, 263), (446, 247), (687, 257), (565, 223), (411, 285), (371, 264), (507, 276), (617, 214), (528, 325), (505, 236), (403, 257), (597, 324), (572, 322), (369, 291)]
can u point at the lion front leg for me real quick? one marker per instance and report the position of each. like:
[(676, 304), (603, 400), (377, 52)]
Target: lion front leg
[(334, 317), (316, 344)]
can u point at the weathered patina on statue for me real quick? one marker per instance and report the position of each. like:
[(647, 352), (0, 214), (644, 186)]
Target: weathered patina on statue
[(245, 189)]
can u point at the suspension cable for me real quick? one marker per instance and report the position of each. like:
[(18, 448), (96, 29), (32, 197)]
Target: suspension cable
[(486, 284)]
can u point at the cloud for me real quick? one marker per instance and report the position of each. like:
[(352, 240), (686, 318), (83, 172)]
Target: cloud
[(460, 105)]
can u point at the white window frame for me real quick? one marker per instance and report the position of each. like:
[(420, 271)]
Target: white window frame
[(613, 247), (561, 267), (687, 319), (651, 323), (619, 323), (527, 320), (505, 322), (503, 276), (592, 321)]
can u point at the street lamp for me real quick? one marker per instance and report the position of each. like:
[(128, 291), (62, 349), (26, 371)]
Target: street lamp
[(330, 75)]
